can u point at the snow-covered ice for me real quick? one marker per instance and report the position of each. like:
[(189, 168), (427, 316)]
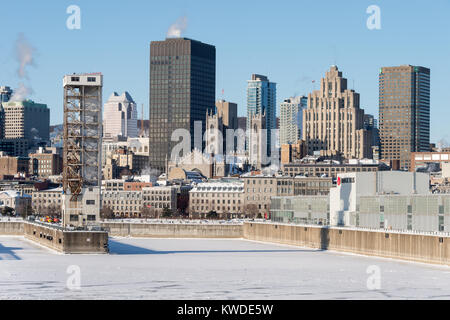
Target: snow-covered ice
[(210, 269)]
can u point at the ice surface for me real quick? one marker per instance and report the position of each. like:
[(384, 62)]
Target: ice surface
[(210, 269)]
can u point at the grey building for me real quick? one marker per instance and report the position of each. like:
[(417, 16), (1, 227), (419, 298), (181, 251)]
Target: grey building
[(182, 91)]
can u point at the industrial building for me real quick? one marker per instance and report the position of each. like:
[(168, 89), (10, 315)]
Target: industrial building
[(82, 149)]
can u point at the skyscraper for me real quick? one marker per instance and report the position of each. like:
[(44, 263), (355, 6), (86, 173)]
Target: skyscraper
[(27, 120), (333, 122), (120, 116), (291, 118), (182, 90), (5, 94), (404, 107), (261, 100)]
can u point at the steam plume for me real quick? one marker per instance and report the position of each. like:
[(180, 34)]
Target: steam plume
[(177, 28), (24, 55)]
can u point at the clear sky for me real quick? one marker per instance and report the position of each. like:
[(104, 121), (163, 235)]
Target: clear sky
[(292, 42)]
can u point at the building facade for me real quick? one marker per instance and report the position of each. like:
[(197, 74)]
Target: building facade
[(261, 100), (224, 198), (27, 120), (182, 90), (120, 116), (404, 107), (333, 121), (291, 119)]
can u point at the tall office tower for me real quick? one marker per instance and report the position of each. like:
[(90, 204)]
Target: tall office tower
[(404, 108), (120, 116), (82, 150), (333, 123), (27, 120), (182, 91), (5, 94), (291, 118), (261, 99)]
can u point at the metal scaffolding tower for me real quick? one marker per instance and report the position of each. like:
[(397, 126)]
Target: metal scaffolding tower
[(82, 135)]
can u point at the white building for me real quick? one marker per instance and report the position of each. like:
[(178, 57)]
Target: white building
[(225, 198), (345, 197), (291, 119), (120, 116)]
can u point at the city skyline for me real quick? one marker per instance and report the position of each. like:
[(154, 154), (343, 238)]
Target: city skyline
[(359, 54)]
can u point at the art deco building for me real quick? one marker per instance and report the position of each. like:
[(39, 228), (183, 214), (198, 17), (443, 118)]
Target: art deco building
[(333, 122), (404, 108)]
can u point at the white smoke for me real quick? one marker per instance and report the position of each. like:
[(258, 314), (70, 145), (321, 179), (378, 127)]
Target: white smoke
[(24, 55), (21, 93), (177, 28)]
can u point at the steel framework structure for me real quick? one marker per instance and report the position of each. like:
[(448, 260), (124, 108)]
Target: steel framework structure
[(82, 133)]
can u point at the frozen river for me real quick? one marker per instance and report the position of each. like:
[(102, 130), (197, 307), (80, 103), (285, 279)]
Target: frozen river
[(210, 269)]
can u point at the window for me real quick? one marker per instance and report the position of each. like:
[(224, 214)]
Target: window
[(90, 202), (73, 217), (91, 217), (91, 79), (75, 78)]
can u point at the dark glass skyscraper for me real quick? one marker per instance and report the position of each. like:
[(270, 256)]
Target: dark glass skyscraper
[(404, 108), (182, 90)]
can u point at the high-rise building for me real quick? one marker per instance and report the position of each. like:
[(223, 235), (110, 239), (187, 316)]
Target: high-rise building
[(182, 91), (333, 122), (120, 116), (261, 99), (26, 120), (404, 107), (82, 151), (291, 118), (5, 94)]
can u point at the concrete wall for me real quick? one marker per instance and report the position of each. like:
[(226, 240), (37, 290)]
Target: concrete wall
[(160, 230), (413, 247), (67, 241), (11, 228)]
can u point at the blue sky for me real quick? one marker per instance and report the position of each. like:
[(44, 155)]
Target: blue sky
[(292, 42)]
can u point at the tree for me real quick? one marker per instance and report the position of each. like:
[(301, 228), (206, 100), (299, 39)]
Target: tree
[(7, 211), (251, 210), (106, 213), (148, 212), (212, 215), (167, 213)]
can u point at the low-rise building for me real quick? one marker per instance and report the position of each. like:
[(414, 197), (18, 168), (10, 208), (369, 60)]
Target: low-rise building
[(125, 204), (47, 202), (45, 163), (224, 198), (159, 198), (331, 168)]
